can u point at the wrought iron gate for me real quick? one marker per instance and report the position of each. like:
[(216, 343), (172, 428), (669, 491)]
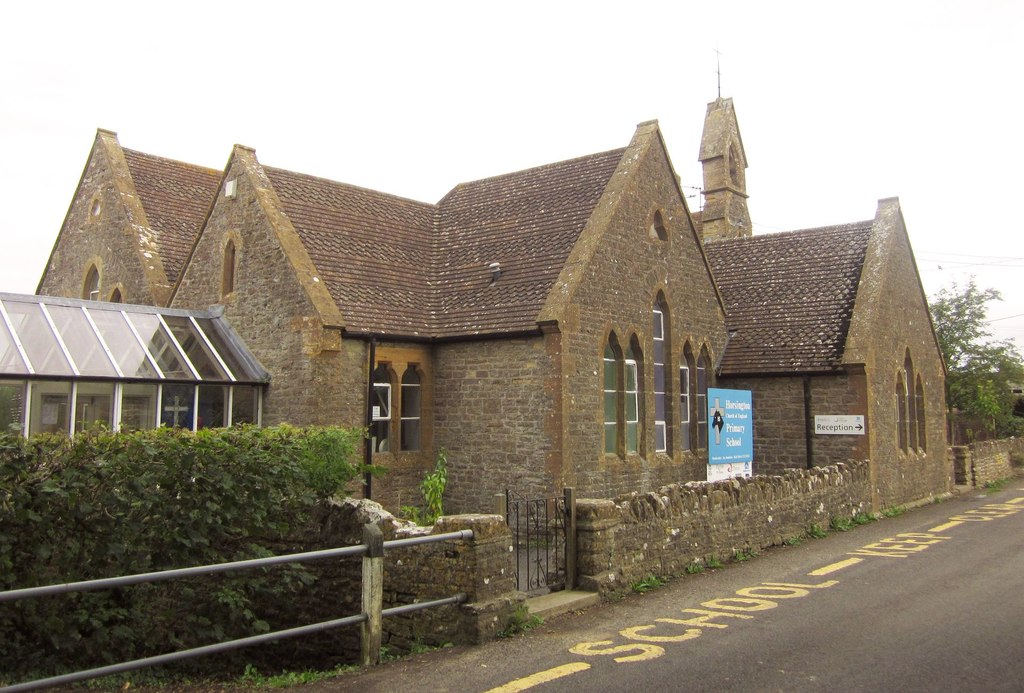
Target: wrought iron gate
[(544, 541)]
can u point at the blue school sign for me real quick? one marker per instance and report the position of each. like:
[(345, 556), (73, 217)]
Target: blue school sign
[(730, 433)]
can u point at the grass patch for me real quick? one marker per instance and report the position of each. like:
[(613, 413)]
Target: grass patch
[(713, 562), (841, 524), (816, 531), (793, 541), (252, 676), (894, 511), (742, 555), (863, 519), (651, 582), (692, 568), (997, 485), (522, 621)]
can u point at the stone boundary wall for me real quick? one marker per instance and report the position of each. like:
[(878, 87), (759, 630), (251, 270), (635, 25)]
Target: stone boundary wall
[(978, 464), (482, 568), (622, 541)]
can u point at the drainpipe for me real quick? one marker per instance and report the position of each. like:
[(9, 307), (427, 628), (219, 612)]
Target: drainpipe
[(808, 424), (368, 443)]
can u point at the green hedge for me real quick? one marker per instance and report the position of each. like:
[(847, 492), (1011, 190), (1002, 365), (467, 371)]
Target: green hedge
[(106, 504)]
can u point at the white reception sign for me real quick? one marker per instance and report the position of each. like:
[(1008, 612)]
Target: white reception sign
[(839, 425)]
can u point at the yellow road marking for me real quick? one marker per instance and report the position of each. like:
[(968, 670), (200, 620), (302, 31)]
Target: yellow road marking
[(1017, 500), (836, 566), (948, 525), (528, 682)]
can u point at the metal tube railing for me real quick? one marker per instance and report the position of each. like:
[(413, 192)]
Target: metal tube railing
[(177, 573), (106, 583)]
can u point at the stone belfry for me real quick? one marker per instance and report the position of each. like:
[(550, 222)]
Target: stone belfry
[(724, 162)]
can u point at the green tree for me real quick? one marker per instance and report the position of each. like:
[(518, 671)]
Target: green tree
[(980, 369)]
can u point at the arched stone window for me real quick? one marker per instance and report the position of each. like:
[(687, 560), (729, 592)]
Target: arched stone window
[(227, 284), (380, 426), (686, 387), (116, 296), (612, 394), (658, 231), (703, 373), (919, 407), (91, 287), (411, 408), (633, 408), (908, 369), (662, 404), (901, 411)]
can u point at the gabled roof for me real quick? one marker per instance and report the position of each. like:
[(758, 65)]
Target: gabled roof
[(176, 198), (411, 269), (789, 297), (372, 250), (528, 222)]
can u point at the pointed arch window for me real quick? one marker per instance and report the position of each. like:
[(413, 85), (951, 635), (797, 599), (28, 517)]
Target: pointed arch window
[(919, 407), (702, 399), (227, 284), (901, 411), (662, 405), (380, 427), (612, 393), (631, 390), (116, 296), (658, 231), (686, 374), (411, 403), (908, 369), (91, 288)]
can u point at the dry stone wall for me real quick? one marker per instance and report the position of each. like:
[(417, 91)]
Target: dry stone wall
[(622, 541), (991, 460), (482, 568)]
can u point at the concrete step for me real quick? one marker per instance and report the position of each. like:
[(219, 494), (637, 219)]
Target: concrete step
[(556, 603)]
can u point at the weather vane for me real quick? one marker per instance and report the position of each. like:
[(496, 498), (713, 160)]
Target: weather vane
[(718, 69)]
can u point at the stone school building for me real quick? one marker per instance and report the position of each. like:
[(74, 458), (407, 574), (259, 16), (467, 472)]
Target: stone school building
[(558, 326)]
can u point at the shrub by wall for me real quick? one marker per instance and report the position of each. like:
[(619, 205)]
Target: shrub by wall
[(105, 504)]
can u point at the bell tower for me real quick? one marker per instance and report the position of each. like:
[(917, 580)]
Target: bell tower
[(724, 162)]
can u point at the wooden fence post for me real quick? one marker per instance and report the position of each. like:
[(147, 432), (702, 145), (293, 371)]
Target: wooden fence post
[(373, 595)]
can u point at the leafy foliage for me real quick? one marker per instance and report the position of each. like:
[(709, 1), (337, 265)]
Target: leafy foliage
[(432, 487), (980, 370), (104, 504)]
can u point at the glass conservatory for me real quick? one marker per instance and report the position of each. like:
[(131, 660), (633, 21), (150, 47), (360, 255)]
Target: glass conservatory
[(68, 365)]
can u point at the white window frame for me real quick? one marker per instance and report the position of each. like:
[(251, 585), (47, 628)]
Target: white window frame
[(660, 425)]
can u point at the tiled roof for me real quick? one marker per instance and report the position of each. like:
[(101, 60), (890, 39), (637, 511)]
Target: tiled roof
[(176, 197), (405, 268), (372, 250), (528, 222), (789, 297)]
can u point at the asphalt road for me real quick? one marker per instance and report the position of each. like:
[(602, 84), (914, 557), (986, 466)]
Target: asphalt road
[(932, 600)]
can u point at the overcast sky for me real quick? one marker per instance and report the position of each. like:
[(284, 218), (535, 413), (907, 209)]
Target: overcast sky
[(839, 104)]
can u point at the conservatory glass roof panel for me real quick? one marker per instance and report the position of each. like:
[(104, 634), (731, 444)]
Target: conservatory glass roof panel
[(160, 346), (81, 340), (123, 344), (237, 361), (72, 338), (199, 353), (38, 338), (10, 357)]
